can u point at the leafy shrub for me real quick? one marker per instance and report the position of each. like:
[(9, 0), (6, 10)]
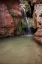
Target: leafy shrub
[(22, 25), (9, 7), (12, 14)]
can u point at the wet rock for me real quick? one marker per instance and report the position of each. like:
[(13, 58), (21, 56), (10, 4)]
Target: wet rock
[(6, 22)]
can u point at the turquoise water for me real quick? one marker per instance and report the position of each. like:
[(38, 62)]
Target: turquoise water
[(20, 50)]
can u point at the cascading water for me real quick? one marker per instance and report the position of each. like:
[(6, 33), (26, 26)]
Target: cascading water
[(26, 19), (27, 22)]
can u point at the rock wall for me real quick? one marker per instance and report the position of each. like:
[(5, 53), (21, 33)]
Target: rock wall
[(35, 2), (37, 16), (8, 23), (38, 35)]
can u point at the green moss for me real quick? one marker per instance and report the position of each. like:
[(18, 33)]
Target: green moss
[(12, 14), (26, 4), (22, 25), (9, 7), (20, 28)]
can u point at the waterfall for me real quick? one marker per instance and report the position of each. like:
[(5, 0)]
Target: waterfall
[(26, 19), (27, 22)]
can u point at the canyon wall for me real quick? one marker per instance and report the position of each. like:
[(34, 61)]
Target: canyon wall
[(10, 14)]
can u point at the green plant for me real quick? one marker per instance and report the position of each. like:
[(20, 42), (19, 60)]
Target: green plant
[(22, 25), (12, 14), (20, 28), (9, 7)]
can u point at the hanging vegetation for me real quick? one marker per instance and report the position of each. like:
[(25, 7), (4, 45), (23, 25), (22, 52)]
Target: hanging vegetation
[(22, 25)]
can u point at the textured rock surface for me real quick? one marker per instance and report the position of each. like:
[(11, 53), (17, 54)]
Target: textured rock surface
[(39, 32), (38, 35), (37, 15), (38, 39), (35, 1), (38, 22), (15, 8), (6, 22)]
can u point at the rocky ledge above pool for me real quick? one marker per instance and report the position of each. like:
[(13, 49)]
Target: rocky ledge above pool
[(38, 35)]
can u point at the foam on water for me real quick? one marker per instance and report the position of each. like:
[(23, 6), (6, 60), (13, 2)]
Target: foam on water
[(28, 35)]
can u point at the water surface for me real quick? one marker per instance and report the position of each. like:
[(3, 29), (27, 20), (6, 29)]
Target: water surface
[(20, 50)]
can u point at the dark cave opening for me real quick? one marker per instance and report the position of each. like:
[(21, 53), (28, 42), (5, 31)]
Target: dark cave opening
[(32, 9)]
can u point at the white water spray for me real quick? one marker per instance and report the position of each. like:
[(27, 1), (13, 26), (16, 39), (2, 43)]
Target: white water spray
[(26, 19), (27, 22)]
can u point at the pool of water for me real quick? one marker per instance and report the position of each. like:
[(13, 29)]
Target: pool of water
[(20, 50)]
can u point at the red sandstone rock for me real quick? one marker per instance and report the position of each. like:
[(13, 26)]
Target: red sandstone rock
[(16, 22), (38, 39), (7, 25), (39, 32), (16, 9), (6, 22), (37, 15), (38, 35), (17, 12)]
